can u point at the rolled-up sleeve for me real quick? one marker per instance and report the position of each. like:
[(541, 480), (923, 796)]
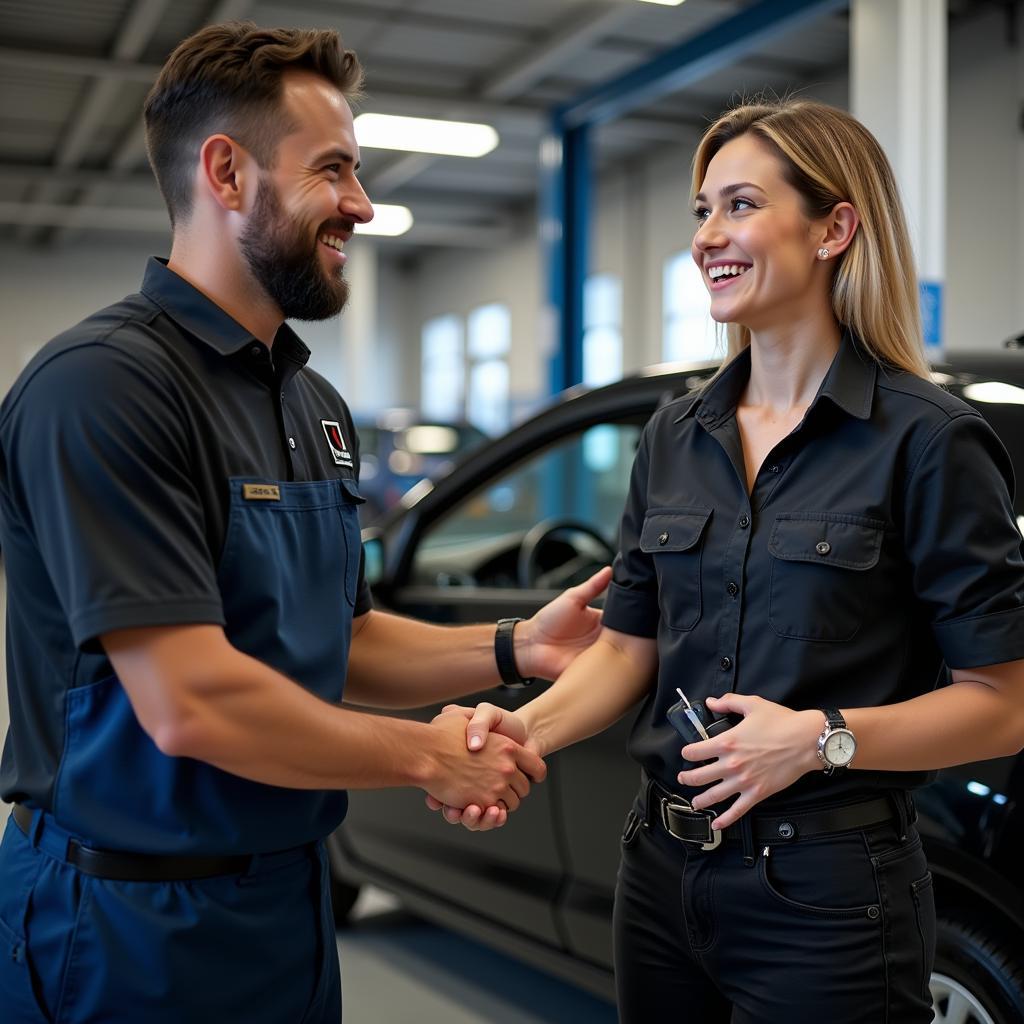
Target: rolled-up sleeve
[(632, 602), (964, 544)]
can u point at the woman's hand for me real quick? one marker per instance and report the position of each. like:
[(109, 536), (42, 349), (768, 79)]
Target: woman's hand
[(481, 720), (769, 750)]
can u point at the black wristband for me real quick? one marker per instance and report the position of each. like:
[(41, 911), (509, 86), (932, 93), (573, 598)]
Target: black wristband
[(504, 654)]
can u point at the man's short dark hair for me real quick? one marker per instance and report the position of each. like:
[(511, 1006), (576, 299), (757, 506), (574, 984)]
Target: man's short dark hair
[(227, 78)]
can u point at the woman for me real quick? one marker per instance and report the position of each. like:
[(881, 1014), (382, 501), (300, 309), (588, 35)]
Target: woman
[(805, 543)]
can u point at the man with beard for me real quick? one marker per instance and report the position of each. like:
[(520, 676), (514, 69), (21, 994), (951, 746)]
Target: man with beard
[(178, 495)]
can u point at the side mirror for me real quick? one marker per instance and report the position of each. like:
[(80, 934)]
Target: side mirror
[(373, 555)]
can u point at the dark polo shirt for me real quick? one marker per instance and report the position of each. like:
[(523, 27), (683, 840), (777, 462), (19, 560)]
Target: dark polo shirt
[(878, 544), (118, 441)]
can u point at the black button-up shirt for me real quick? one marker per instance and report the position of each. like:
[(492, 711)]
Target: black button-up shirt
[(118, 442), (878, 542)]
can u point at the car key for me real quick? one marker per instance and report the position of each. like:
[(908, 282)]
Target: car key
[(695, 722), (687, 709)]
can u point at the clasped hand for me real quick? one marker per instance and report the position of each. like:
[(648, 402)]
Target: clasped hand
[(477, 724)]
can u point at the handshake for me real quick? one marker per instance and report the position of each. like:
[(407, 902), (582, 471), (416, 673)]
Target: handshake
[(480, 789)]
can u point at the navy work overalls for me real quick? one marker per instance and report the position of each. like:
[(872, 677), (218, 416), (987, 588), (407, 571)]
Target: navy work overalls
[(256, 946)]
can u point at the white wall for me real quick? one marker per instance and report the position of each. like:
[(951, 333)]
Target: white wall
[(456, 282), (44, 292)]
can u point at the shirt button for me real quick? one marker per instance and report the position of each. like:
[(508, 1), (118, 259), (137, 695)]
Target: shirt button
[(744, 522), (663, 539), (282, 396), (823, 547), (732, 589), (726, 663), (773, 468), (291, 442), (254, 351)]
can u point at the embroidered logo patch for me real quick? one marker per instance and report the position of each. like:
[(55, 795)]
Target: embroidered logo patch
[(336, 443), (261, 492)]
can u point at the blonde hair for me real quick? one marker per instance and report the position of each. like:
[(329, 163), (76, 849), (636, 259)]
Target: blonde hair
[(829, 157)]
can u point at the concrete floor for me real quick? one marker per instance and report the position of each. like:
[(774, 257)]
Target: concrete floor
[(396, 968)]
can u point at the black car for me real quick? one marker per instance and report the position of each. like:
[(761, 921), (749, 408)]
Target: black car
[(522, 518)]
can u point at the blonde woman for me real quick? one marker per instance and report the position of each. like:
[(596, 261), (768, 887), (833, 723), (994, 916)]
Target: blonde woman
[(807, 543)]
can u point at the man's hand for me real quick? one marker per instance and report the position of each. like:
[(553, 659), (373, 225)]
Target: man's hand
[(480, 722), (769, 750), (546, 643), (496, 776)]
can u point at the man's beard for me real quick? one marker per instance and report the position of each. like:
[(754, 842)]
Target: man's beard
[(289, 271)]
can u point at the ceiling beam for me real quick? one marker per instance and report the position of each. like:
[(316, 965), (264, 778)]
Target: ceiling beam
[(143, 20), (77, 65), (530, 65), (724, 43), (99, 95), (534, 63)]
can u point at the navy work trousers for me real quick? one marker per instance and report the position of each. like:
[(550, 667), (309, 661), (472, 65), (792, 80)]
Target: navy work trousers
[(76, 949), (839, 928)]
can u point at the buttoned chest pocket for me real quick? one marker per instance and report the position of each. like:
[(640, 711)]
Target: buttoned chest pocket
[(822, 574), (674, 537)]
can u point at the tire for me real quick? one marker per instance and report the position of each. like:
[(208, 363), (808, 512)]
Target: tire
[(976, 980), (343, 899)]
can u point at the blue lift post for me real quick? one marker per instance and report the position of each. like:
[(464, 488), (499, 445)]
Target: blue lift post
[(566, 166)]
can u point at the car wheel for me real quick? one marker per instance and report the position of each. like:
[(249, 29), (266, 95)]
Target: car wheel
[(976, 980), (343, 899)]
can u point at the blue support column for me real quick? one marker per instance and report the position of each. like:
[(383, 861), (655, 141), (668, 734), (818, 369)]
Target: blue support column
[(566, 164)]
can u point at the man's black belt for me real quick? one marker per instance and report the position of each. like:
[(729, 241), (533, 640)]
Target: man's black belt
[(674, 814), (139, 867)]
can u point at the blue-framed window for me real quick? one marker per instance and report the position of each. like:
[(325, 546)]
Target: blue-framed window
[(689, 333)]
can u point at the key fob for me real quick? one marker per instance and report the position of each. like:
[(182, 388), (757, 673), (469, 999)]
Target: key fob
[(681, 716)]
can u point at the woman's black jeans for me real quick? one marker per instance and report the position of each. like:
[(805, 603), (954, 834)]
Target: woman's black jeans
[(839, 929)]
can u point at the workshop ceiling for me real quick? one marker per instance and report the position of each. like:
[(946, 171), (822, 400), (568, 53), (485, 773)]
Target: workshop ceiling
[(73, 75)]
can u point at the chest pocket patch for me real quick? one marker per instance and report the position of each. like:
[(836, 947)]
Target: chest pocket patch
[(674, 538), (822, 576)]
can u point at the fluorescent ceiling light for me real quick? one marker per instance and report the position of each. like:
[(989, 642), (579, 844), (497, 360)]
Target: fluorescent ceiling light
[(387, 220), (423, 135), (664, 3), (995, 391)]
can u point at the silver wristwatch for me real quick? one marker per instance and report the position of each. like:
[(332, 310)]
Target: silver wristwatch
[(836, 744)]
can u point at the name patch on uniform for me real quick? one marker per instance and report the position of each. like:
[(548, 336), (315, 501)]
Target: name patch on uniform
[(261, 492), (336, 443)]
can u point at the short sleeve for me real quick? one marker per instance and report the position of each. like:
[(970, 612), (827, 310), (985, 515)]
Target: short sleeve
[(632, 602), (97, 475), (964, 544)]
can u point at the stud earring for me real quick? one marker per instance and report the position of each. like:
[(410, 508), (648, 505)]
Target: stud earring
[(823, 253)]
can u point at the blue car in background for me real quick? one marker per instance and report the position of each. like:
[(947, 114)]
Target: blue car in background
[(399, 448)]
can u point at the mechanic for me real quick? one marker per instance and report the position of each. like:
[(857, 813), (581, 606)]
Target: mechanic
[(808, 543), (179, 504)]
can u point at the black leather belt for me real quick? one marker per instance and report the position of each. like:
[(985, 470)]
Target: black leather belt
[(139, 867), (675, 815)]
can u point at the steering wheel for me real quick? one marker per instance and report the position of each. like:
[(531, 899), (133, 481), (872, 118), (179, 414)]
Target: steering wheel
[(529, 571)]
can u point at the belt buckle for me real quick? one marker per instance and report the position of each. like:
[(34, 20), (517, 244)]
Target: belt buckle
[(680, 806)]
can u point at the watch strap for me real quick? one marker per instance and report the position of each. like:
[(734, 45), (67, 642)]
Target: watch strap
[(833, 719), (504, 654)]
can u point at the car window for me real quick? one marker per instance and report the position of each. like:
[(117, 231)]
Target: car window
[(563, 503)]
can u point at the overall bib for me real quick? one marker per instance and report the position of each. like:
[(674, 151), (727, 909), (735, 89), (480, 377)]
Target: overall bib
[(254, 946)]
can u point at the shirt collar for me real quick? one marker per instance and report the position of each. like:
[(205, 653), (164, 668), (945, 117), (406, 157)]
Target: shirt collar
[(849, 384), (188, 307)]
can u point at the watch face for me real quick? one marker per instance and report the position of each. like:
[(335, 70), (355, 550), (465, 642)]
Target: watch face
[(840, 748)]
